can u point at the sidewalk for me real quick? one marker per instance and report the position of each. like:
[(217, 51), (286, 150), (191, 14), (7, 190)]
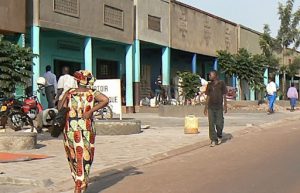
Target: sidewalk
[(164, 135)]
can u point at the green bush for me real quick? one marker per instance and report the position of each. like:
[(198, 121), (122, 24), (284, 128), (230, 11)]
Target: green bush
[(15, 66), (189, 84)]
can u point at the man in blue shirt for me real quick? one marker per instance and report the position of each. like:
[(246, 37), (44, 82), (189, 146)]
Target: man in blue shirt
[(51, 87)]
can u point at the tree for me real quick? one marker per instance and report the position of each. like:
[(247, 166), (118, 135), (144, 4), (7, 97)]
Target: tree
[(294, 68), (288, 33), (267, 43), (189, 84), (15, 66), (245, 66), (227, 62), (268, 46)]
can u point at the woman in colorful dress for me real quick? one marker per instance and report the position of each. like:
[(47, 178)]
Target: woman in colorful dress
[(79, 133)]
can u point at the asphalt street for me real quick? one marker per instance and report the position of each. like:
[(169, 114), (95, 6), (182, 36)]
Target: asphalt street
[(264, 161)]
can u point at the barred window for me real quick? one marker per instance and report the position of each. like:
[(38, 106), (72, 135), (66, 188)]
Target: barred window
[(113, 17), (67, 7), (104, 70), (154, 23)]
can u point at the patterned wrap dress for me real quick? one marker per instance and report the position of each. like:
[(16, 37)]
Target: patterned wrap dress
[(79, 136)]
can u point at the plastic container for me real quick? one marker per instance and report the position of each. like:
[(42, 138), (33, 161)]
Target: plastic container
[(191, 125)]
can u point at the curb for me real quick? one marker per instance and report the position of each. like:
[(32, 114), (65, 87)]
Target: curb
[(68, 184)]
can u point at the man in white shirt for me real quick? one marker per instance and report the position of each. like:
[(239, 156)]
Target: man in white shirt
[(271, 91), (65, 83)]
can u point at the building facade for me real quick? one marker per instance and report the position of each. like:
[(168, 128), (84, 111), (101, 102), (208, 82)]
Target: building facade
[(132, 40), (96, 35)]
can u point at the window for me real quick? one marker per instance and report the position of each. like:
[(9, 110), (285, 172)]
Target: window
[(154, 23), (67, 7), (113, 17), (107, 69)]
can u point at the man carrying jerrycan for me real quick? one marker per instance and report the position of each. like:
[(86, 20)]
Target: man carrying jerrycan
[(215, 104)]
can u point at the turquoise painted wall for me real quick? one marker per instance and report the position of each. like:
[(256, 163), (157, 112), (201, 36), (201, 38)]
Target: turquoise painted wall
[(50, 50)]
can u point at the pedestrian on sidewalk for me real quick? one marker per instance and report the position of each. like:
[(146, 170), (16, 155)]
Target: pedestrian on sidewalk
[(65, 83), (79, 133), (50, 87), (215, 104), (292, 94), (158, 90), (272, 94)]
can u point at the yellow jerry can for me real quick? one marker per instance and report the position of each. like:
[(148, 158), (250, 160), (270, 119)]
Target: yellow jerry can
[(191, 125)]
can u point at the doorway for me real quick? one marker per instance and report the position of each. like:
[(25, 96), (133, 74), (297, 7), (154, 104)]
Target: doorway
[(107, 69), (145, 80), (59, 64)]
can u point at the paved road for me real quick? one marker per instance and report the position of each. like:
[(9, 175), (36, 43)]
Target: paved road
[(266, 161), (13, 189)]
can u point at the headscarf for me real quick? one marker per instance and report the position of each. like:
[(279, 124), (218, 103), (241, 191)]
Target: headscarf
[(84, 78)]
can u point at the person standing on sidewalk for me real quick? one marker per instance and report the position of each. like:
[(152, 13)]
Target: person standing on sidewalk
[(79, 133), (215, 104), (292, 94), (65, 83), (158, 90), (50, 87), (272, 94)]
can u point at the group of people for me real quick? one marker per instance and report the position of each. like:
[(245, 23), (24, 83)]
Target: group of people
[(54, 89), (216, 104), (272, 89), (76, 93)]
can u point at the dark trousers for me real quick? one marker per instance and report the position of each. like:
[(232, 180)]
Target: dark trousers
[(157, 96), (216, 123), (50, 95)]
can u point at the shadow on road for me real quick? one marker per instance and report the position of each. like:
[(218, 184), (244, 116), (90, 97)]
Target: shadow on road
[(102, 182), (227, 137)]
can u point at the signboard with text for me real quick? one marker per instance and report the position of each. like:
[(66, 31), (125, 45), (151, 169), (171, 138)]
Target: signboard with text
[(112, 89)]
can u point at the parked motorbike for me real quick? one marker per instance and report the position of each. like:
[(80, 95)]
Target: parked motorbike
[(31, 105), (11, 113)]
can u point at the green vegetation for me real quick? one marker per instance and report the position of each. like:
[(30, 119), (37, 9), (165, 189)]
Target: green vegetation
[(15, 66)]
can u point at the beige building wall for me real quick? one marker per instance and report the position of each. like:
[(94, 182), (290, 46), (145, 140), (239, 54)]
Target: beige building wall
[(199, 32), (106, 19), (249, 39), (12, 16), (160, 10)]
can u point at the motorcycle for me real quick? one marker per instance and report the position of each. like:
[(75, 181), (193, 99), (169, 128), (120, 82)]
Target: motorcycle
[(12, 114), (31, 105)]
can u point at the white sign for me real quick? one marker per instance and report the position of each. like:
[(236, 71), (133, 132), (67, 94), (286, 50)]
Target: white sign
[(112, 89)]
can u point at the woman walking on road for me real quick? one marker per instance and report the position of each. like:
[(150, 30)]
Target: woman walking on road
[(292, 94), (79, 133)]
